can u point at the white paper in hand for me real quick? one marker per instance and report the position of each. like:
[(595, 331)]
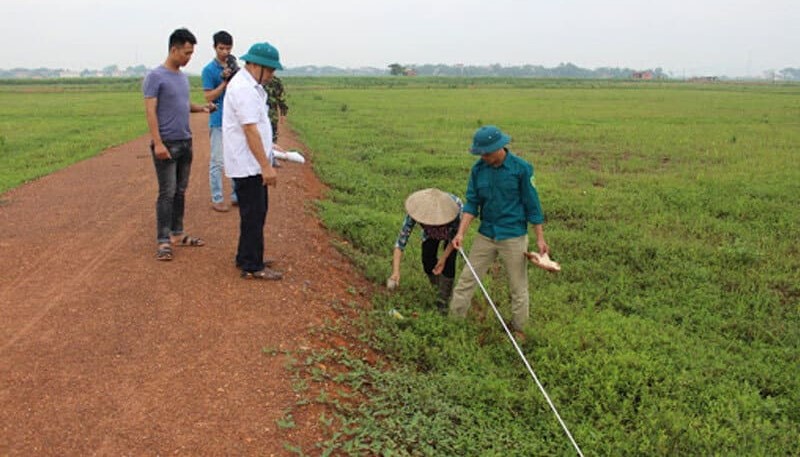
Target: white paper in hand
[(291, 156)]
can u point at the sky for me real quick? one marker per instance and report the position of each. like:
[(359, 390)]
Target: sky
[(735, 38)]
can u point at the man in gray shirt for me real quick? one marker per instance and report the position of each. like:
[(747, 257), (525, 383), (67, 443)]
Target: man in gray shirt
[(167, 107)]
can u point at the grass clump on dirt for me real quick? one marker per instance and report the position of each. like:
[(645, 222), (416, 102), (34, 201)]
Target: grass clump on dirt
[(673, 328)]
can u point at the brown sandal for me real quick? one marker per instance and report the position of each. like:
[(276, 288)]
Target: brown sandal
[(190, 241), (164, 253)]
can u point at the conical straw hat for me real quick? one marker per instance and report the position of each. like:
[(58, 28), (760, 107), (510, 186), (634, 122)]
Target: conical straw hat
[(431, 207)]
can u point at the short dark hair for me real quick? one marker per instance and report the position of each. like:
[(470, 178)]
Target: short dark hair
[(180, 37), (223, 37)]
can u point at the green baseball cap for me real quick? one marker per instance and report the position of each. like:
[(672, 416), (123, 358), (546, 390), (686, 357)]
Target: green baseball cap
[(488, 139), (263, 54)]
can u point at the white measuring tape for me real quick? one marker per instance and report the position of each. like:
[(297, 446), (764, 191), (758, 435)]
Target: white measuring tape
[(519, 351)]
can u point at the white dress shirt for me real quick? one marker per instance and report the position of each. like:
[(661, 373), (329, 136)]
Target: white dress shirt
[(245, 103)]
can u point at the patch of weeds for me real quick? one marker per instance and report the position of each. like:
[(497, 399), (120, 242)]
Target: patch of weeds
[(286, 422), (299, 386), (294, 449), (270, 351)]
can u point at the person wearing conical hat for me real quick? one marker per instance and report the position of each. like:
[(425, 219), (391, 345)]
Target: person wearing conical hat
[(439, 215), (500, 192)]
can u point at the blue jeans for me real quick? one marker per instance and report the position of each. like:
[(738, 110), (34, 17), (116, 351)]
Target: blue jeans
[(216, 167), (173, 178)]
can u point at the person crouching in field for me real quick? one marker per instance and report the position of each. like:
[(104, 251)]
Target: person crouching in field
[(167, 108), (247, 150), (439, 215), (501, 192)]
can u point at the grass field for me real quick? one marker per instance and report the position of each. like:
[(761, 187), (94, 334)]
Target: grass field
[(674, 327), (50, 124)]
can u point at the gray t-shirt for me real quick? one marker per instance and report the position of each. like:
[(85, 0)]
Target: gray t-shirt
[(171, 91)]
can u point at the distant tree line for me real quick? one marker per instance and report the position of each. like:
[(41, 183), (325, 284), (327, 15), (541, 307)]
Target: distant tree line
[(42, 73), (790, 74), (564, 70)]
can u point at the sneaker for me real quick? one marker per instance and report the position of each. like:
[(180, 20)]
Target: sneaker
[(220, 207)]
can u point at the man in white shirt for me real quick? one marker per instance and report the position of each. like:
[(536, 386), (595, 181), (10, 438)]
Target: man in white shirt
[(247, 150)]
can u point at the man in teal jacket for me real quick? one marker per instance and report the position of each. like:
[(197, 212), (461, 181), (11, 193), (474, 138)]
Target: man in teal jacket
[(502, 194)]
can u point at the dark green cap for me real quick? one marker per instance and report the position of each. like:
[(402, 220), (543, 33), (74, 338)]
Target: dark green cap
[(263, 54), (488, 139)]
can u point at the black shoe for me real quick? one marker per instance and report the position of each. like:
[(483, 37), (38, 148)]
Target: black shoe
[(265, 274)]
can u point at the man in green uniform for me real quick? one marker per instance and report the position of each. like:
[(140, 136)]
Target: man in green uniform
[(276, 100), (501, 193)]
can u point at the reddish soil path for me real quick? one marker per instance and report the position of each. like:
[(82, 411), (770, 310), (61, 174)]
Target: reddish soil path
[(106, 351)]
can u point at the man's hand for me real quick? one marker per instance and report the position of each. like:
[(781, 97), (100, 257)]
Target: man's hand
[(458, 240), (269, 176), (540, 242), (543, 247), (161, 151), (209, 107), (206, 108), (437, 270)]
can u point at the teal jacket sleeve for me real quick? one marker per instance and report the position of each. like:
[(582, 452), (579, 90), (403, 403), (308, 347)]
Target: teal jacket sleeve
[(471, 197), (530, 197)]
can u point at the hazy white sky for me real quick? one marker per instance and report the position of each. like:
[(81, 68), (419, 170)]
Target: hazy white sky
[(697, 37)]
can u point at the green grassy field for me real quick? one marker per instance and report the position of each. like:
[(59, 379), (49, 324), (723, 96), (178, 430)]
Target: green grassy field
[(50, 124), (673, 328)]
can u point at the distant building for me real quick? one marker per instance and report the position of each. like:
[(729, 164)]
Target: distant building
[(644, 75), (409, 72)]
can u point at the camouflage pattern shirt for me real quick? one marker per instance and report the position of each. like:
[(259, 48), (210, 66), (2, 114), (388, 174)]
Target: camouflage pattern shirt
[(276, 101)]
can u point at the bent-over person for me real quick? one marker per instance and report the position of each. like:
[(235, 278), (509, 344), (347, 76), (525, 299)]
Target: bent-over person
[(439, 215)]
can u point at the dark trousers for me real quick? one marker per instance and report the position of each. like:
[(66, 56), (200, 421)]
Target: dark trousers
[(430, 255), (253, 205), (173, 179)]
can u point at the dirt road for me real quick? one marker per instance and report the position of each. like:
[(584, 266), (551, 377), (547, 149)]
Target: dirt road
[(106, 351)]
